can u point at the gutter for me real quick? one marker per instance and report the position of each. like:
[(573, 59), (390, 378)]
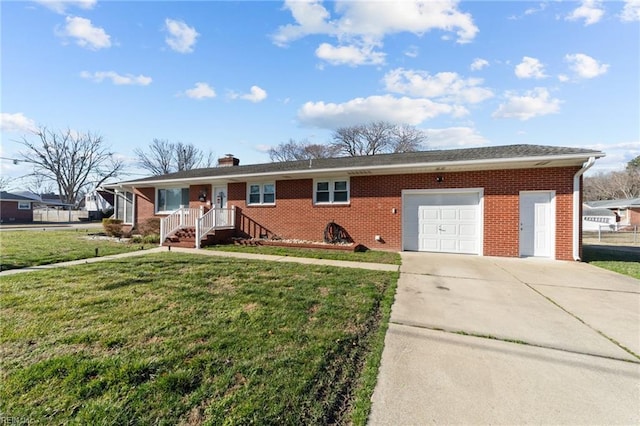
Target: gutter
[(577, 219)]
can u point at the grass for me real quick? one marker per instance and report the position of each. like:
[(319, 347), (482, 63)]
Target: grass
[(21, 249), (622, 262), (371, 256), (172, 338)]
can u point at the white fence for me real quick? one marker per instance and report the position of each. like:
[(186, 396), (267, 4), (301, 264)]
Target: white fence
[(55, 215)]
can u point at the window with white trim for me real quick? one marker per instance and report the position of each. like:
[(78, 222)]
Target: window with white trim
[(171, 199), (24, 205), (261, 193), (334, 191), (124, 206)]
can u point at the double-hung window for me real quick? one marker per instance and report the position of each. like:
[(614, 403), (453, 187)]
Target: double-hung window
[(171, 199), (331, 191), (124, 206), (261, 193), (24, 205)]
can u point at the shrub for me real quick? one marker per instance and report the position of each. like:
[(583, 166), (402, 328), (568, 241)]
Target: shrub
[(149, 227), (112, 227)]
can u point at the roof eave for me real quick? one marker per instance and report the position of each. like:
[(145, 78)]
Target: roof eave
[(424, 167)]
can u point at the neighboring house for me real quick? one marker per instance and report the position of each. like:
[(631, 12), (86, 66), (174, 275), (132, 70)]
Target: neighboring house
[(598, 219), (98, 204), (627, 210), (15, 208), (518, 200)]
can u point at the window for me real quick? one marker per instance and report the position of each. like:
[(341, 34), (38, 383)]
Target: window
[(261, 193), (24, 205), (124, 206), (171, 199), (332, 191)]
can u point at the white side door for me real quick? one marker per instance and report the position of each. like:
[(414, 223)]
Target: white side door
[(537, 224)]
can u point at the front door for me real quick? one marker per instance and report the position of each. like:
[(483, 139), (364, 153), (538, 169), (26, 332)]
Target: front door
[(537, 223), (220, 204)]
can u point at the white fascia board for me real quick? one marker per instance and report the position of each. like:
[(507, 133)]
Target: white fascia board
[(384, 169)]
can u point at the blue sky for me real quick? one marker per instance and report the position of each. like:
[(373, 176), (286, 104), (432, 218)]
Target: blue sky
[(239, 77)]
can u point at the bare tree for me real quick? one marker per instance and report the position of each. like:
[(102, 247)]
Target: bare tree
[(70, 159), (407, 138), (40, 185), (614, 185), (162, 157), (303, 150), (5, 183), (158, 158), (377, 138)]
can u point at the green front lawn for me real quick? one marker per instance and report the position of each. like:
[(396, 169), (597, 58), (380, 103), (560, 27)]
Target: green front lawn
[(370, 256), (172, 338), (627, 263), (21, 249)]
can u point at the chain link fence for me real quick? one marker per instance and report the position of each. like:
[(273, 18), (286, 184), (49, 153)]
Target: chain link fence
[(613, 235)]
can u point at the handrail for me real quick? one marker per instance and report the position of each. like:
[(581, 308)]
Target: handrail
[(186, 217), (213, 219), (182, 218)]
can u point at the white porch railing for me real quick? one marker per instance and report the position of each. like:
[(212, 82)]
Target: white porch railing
[(184, 217), (216, 218)]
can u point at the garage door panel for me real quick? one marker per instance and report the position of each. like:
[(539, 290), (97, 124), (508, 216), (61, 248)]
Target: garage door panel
[(448, 213), (445, 222)]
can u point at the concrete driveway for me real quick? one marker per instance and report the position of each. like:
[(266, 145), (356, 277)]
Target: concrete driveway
[(481, 340)]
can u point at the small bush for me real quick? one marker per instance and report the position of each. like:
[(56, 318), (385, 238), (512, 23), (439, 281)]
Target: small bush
[(112, 227), (149, 227)]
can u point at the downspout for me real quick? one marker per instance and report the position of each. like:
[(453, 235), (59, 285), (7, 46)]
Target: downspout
[(577, 219)]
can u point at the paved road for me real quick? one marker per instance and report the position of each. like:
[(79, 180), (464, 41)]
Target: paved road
[(482, 340)]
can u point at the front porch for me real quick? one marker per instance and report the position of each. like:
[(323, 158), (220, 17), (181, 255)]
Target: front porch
[(195, 227)]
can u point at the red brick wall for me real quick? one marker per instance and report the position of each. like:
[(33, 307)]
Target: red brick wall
[(9, 213), (373, 198)]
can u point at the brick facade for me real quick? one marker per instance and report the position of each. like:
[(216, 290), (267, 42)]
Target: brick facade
[(375, 207), (374, 198), (9, 213)]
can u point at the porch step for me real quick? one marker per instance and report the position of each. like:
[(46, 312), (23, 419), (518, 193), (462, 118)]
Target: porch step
[(186, 238)]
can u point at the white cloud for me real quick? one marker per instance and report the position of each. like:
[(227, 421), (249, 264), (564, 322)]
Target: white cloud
[(60, 6), (412, 51), (563, 78), (350, 55), (17, 122), (117, 79), (585, 66), (256, 95), (181, 37), (362, 110), (365, 24), (446, 86), (478, 64), (618, 155), (589, 10), (630, 11), (533, 103), (85, 33), (530, 68), (454, 137), (200, 91)]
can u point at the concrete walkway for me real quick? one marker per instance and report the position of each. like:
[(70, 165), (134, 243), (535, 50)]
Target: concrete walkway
[(481, 340), (236, 255)]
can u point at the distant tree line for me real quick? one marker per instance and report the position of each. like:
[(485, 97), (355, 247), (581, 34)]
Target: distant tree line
[(614, 185), (162, 157), (378, 137)]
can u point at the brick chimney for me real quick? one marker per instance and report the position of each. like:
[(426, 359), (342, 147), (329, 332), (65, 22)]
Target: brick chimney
[(228, 161)]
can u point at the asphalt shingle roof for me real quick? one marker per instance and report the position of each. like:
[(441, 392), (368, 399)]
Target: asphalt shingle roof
[(7, 196), (420, 157)]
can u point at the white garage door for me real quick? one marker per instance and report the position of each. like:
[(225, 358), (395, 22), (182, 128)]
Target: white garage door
[(442, 222)]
